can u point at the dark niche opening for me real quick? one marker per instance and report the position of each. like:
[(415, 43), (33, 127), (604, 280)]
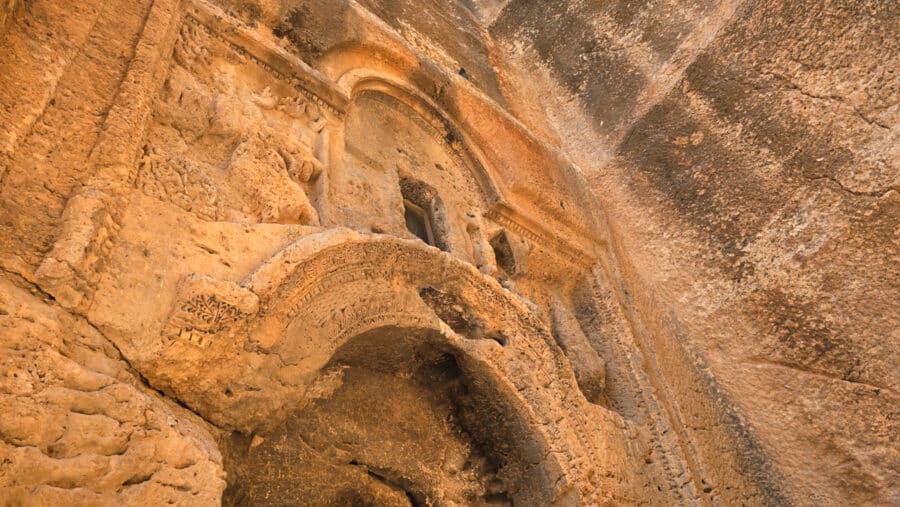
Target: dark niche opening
[(424, 212), (411, 422), (503, 253), (418, 222)]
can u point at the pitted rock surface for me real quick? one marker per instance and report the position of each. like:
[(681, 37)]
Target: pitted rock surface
[(468, 252)]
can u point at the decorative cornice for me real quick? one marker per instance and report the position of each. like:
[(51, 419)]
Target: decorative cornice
[(506, 215)]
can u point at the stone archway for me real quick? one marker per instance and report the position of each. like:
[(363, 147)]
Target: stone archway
[(456, 140), (283, 349)]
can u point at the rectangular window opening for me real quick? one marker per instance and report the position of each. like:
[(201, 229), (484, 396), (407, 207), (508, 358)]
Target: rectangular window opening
[(418, 222)]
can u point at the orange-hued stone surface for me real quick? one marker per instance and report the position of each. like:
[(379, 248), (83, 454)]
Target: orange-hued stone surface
[(458, 252)]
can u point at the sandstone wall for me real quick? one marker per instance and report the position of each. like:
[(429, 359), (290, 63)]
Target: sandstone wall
[(746, 156), (277, 252), (663, 260)]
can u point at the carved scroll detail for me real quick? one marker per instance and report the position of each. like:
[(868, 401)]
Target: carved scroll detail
[(176, 180), (206, 307)]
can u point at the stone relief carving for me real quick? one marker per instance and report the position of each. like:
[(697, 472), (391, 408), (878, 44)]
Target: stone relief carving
[(231, 139), (483, 253), (274, 196), (206, 307), (590, 368), (180, 182), (192, 46)]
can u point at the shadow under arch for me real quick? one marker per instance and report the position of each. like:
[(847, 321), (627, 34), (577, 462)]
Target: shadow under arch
[(414, 421), (342, 285)]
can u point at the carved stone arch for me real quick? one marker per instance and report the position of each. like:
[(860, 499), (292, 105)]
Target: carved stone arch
[(327, 289), (411, 286), (359, 81)]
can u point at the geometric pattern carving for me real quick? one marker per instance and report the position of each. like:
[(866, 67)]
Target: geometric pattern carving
[(206, 307)]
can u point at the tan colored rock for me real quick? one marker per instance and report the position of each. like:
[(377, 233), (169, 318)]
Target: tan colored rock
[(480, 252), (81, 427)]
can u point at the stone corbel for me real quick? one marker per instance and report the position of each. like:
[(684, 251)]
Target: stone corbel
[(207, 307), (71, 271)]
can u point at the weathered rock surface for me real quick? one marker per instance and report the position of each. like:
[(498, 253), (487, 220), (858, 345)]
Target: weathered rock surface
[(477, 252), (746, 155), (79, 425)]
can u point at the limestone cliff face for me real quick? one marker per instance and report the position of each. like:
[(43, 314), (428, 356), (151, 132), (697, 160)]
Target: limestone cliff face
[(477, 252), (746, 156)]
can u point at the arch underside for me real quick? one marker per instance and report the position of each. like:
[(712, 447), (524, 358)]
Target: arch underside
[(340, 312)]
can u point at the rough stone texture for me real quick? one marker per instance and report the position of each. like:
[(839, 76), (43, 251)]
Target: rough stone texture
[(7, 11), (746, 154), (80, 427), (485, 252)]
